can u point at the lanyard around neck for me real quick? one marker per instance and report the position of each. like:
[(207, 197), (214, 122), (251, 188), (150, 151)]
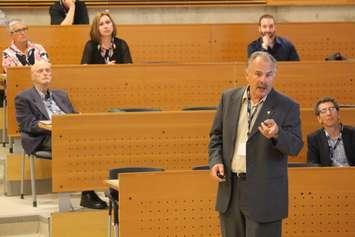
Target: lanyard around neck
[(332, 148), (251, 113)]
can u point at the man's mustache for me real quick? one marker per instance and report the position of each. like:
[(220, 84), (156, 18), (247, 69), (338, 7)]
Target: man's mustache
[(261, 85), (267, 33)]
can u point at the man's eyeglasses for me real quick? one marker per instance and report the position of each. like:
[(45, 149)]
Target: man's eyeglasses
[(24, 29), (325, 110)]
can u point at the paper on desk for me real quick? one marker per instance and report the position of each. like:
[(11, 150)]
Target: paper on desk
[(46, 122)]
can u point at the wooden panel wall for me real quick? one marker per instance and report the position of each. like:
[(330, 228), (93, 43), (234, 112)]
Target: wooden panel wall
[(97, 88), (85, 146), (176, 204), (137, 3), (309, 2), (140, 3), (320, 202), (182, 204)]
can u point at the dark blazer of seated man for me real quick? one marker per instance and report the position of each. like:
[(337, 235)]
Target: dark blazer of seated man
[(41, 103), (334, 143), (36, 104)]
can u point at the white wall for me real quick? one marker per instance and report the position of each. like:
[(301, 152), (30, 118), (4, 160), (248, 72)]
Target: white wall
[(231, 14)]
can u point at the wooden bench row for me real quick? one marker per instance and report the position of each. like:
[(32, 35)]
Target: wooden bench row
[(194, 42), (98, 88), (86, 146), (113, 3), (309, 2), (182, 203)]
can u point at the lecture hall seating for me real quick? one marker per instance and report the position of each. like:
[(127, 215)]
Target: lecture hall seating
[(86, 146), (195, 42), (181, 203), (98, 88)]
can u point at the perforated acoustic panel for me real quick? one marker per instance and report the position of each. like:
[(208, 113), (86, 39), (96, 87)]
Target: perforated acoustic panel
[(98, 88), (168, 204), (321, 203), (314, 41), (85, 147), (182, 204), (168, 87), (314, 80), (169, 43)]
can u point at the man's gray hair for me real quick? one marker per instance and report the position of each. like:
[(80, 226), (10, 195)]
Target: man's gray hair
[(36, 65), (265, 55), (13, 22)]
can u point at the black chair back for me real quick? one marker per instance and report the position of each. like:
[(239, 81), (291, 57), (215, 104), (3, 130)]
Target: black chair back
[(195, 108), (201, 167), (113, 174), (298, 164), (114, 110)]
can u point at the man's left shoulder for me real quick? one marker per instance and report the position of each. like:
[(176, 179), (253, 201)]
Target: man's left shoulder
[(59, 92), (282, 98), (80, 4), (255, 42), (283, 40), (349, 129), (55, 7), (29, 92)]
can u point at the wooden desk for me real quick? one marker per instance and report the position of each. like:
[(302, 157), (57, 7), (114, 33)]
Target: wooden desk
[(321, 203), (194, 42), (98, 88), (86, 146)]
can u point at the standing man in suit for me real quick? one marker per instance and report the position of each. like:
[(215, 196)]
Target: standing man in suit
[(279, 47), (41, 103), (334, 143), (254, 130)]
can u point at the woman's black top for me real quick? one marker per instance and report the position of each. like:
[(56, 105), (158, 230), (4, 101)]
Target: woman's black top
[(119, 52)]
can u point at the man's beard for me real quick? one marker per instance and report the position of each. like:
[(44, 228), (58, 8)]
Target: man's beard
[(270, 34)]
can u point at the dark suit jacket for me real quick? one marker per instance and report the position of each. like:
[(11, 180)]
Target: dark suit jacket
[(283, 49), (318, 148), (92, 53), (267, 181), (30, 109)]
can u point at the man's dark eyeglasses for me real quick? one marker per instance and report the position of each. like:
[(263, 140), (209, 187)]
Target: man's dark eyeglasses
[(325, 110), (20, 30)]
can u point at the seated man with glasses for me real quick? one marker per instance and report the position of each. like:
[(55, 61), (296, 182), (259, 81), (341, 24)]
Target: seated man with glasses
[(21, 52), (334, 143)]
